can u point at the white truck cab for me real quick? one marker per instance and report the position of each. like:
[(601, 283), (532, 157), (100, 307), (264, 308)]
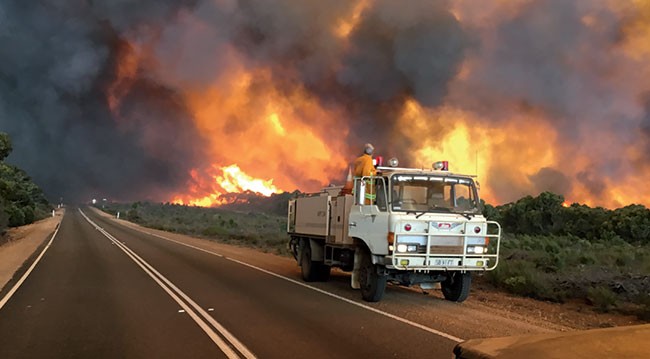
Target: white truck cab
[(406, 226)]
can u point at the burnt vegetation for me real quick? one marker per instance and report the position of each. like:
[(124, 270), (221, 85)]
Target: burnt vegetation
[(549, 252)]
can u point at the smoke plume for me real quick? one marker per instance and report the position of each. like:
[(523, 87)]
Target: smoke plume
[(154, 99), (58, 60)]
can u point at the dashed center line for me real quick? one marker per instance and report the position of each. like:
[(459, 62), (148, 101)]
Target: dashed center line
[(226, 342)]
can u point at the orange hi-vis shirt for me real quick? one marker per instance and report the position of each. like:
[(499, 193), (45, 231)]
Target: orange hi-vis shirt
[(363, 166)]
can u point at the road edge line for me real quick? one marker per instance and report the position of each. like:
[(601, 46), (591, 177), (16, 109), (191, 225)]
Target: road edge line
[(31, 268)]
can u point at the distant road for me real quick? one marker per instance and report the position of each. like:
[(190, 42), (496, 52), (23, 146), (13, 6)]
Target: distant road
[(107, 291)]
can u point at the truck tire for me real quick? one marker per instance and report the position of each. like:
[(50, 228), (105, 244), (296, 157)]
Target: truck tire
[(373, 284), (456, 287), (312, 271)]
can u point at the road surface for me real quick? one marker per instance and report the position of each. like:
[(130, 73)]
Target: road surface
[(102, 290)]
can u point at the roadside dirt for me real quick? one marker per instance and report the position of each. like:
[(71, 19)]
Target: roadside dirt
[(21, 242), (487, 313)]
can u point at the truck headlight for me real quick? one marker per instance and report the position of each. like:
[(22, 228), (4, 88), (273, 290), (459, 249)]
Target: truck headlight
[(407, 247), (476, 249)]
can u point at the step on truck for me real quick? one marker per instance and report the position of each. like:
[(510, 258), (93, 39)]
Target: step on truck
[(404, 226)]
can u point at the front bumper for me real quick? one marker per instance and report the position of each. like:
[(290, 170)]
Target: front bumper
[(437, 263)]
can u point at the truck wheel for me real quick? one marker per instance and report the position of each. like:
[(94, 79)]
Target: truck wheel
[(456, 287), (313, 271), (373, 285)]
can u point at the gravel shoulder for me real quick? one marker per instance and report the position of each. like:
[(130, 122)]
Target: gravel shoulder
[(487, 313), (20, 243)]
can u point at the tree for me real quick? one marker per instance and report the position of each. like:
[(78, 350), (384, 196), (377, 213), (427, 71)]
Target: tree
[(21, 200), (5, 146), (533, 215)]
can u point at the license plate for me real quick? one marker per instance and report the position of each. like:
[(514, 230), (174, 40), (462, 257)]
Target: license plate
[(444, 262)]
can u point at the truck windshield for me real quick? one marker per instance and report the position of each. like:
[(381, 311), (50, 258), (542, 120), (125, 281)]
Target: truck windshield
[(428, 193)]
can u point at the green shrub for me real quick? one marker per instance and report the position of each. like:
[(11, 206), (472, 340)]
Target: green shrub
[(40, 213), (644, 306), (602, 298), (214, 231), (521, 277), (586, 258), (29, 215), (133, 215), (16, 216)]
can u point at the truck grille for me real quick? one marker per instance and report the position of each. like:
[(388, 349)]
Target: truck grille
[(446, 250), (441, 249), (439, 244)]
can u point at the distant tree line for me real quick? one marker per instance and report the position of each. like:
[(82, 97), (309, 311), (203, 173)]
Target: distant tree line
[(21, 201), (546, 215)]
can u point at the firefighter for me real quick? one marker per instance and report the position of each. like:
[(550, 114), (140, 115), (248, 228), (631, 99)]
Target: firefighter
[(363, 164), (363, 167)]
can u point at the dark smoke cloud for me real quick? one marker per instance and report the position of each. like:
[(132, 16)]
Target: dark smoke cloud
[(546, 57), (58, 59), (563, 61), (592, 182), (642, 161), (550, 179), (395, 52)]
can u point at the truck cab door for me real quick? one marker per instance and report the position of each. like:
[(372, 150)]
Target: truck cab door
[(367, 220)]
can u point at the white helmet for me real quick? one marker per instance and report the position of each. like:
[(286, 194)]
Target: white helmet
[(368, 148)]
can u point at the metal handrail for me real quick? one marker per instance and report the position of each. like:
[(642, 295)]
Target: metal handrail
[(464, 256)]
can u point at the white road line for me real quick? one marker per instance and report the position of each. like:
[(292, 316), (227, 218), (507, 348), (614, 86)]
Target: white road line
[(175, 292), (31, 268), (386, 314)]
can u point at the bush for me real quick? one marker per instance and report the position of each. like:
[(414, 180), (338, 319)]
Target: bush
[(214, 231), (265, 231), (16, 216), (644, 310), (133, 215), (29, 215), (4, 218), (602, 298), (522, 277), (558, 268)]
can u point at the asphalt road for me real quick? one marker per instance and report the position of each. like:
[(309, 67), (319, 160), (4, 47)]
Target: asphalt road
[(106, 291)]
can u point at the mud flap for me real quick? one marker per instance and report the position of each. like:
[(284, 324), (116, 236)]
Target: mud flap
[(317, 251), (354, 279)]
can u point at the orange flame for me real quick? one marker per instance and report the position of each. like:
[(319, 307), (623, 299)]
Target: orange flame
[(267, 136), (234, 180), (228, 179)]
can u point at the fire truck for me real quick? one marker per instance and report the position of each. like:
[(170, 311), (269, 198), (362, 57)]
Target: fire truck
[(420, 226)]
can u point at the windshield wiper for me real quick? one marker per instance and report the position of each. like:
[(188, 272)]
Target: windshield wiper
[(432, 208), (466, 215)]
